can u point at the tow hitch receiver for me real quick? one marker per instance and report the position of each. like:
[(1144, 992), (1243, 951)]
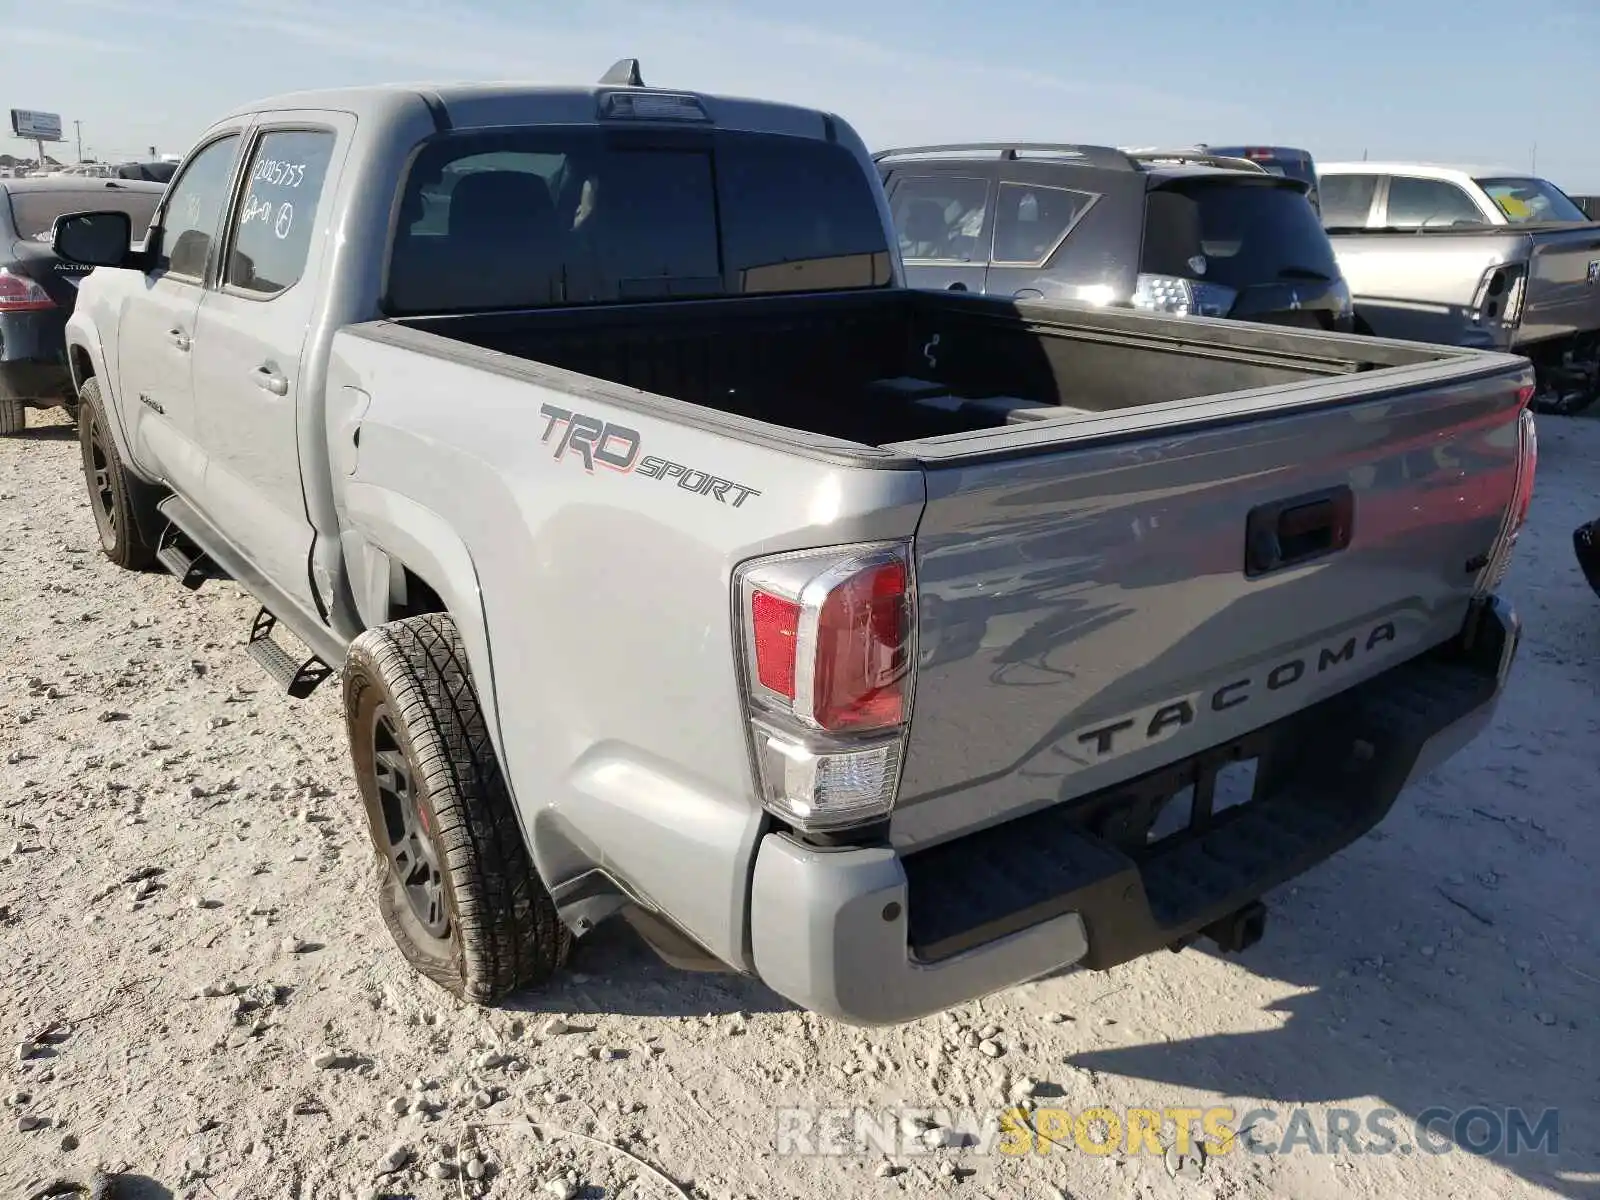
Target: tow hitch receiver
[(1238, 930)]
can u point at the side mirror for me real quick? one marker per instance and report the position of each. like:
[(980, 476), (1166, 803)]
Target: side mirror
[(94, 239)]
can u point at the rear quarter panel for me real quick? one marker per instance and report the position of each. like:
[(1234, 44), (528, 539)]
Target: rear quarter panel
[(605, 594)]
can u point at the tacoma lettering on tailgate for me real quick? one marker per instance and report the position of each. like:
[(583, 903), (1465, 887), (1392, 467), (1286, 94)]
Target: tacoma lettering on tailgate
[(616, 448), (1148, 725)]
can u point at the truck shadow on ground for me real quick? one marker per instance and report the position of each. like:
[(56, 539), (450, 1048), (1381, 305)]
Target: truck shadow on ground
[(1422, 1029), (63, 432), (613, 971)]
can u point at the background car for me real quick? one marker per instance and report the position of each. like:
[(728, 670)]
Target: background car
[(1186, 232), (37, 290), (1277, 160), (152, 172)]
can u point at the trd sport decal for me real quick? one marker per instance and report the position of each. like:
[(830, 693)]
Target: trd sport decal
[(616, 448)]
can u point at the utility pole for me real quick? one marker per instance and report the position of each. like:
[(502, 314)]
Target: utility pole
[(78, 126), (1533, 160)]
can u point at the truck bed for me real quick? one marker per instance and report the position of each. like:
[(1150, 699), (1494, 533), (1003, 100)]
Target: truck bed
[(891, 367)]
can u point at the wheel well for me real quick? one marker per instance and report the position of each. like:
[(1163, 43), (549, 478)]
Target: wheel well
[(82, 367), (410, 595)]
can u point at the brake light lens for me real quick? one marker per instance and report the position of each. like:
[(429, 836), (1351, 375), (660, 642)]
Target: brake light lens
[(1499, 296), (1494, 572), (827, 646), (1182, 297), (18, 293)]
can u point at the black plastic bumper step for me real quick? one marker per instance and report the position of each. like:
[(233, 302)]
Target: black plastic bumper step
[(1326, 776), (183, 558), (299, 679)]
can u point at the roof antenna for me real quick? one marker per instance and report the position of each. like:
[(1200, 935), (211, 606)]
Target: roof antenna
[(623, 73)]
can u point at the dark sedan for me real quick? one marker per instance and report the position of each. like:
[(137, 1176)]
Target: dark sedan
[(37, 289)]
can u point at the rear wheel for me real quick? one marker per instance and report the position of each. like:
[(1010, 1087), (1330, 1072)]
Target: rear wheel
[(114, 495), (13, 416), (456, 887)]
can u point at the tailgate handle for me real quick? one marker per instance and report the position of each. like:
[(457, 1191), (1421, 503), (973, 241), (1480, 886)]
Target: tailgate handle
[(1288, 532)]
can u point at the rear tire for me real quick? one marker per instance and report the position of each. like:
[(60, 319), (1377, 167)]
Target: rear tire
[(13, 417), (456, 887), (118, 500)]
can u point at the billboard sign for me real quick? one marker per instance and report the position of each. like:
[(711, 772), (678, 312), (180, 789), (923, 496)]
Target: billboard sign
[(36, 126)]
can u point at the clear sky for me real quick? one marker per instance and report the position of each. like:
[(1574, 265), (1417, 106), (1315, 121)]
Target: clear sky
[(1440, 80)]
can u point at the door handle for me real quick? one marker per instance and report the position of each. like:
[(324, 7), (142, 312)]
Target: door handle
[(1028, 294), (178, 338), (269, 380), (956, 287), (1298, 530)]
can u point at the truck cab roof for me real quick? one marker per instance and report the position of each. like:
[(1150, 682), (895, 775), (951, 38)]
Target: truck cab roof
[(1462, 173), (467, 105)]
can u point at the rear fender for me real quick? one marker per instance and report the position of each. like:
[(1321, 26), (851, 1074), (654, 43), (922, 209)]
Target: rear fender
[(388, 532)]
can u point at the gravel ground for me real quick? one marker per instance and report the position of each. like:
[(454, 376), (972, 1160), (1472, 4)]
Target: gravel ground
[(200, 993)]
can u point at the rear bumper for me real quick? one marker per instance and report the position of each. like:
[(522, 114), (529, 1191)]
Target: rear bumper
[(33, 357), (1586, 545), (869, 937)]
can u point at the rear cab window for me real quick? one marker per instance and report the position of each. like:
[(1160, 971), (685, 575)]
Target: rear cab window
[(534, 217), (1218, 230), (34, 213)]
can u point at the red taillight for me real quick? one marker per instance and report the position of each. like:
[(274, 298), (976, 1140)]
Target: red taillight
[(775, 625), (836, 646), (861, 666), (1527, 467), (828, 641), (18, 293)]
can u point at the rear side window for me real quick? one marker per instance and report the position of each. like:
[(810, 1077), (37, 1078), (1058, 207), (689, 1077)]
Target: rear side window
[(33, 214), (1031, 220), (939, 218), (272, 229), (1235, 234), (536, 217), (1347, 199), (1414, 203)]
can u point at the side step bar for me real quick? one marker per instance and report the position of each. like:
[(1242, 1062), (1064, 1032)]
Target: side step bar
[(298, 679), (193, 550), (178, 554)]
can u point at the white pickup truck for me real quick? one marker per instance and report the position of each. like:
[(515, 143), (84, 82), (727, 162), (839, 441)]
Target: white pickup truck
[(681, 563)]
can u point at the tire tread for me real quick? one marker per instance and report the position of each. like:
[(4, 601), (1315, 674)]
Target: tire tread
[(508, 933)]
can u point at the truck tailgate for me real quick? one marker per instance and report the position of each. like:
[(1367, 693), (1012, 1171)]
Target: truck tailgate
[(1563, 284), (1085, 610)]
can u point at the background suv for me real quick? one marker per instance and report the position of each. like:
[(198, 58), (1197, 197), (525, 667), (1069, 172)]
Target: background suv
[(1175, 232)]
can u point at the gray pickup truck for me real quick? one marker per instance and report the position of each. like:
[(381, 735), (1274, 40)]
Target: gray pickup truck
[(1472, 258), (680, 563)]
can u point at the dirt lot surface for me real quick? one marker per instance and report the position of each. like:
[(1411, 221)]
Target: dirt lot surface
[(199, 993)]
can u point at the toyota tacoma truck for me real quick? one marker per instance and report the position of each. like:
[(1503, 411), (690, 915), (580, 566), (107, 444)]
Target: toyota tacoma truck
[(679, 564), (1483, 258)]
